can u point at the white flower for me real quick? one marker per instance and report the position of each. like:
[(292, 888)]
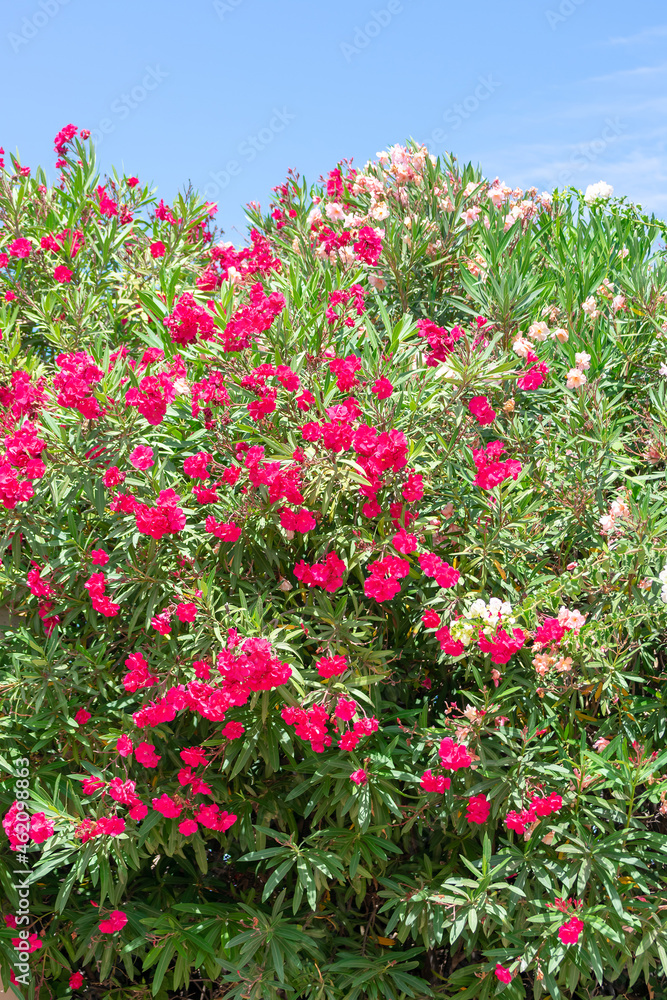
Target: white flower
[(596, 191)]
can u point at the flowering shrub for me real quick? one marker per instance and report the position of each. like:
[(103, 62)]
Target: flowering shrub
[(332, 571)]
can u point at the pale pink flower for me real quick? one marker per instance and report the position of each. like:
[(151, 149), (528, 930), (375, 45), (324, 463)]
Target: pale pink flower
[(619, 508), (538, 331), (607, 524), (379, 211), (617, 303), (582, 360), (377, 281), (575, 378), (571, 619), (561, 335), (335, 212), (590, 307), (601, 743), (522, 346), (471, 215), (315, 215)]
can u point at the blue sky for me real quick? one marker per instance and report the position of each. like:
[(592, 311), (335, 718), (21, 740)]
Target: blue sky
[(228, 94)]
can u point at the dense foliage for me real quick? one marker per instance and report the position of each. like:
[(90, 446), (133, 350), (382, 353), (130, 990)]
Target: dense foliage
[(333, 641)]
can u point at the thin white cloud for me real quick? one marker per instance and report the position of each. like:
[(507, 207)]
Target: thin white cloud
[(641, 37), (623, 75)]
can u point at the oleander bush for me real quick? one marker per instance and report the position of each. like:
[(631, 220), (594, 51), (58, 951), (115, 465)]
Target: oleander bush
[(333, 603)]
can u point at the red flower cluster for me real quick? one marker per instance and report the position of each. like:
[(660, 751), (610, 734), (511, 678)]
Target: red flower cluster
[(75, 381), (482, 410), (491, 472), (139, 675), (368, 246), (331, 666), (439, 340), (327, 574), (453, 756), (152, 397), (534, 376), (96, 585), (382, 584), (433, 566), (478, 808), (503, 645), (539, 808)]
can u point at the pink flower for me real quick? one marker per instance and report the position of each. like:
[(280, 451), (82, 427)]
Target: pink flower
[(138, 812), (297, 520), (186, 612), (142, 457), (503, 974), (62, 274), (99, 557), (115, 922), (450, 646), (20, 248), (82, 716), (145, 754), (195, 465), (113, 477), (404, 542), (478, 808), (482, 410), (345, 709), (569, 932), (434, 783), (225, 531), (433, 566), (187, 827), (382, 584), (431, 618), (157, 249), (331, 666), (41, 828), (454, 756), (519, 821), (76, 981), (167, 806), (382, 388), (502, 645), (233, 730), (327, 574), (545, 807), (533, 377), (359, 777)]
